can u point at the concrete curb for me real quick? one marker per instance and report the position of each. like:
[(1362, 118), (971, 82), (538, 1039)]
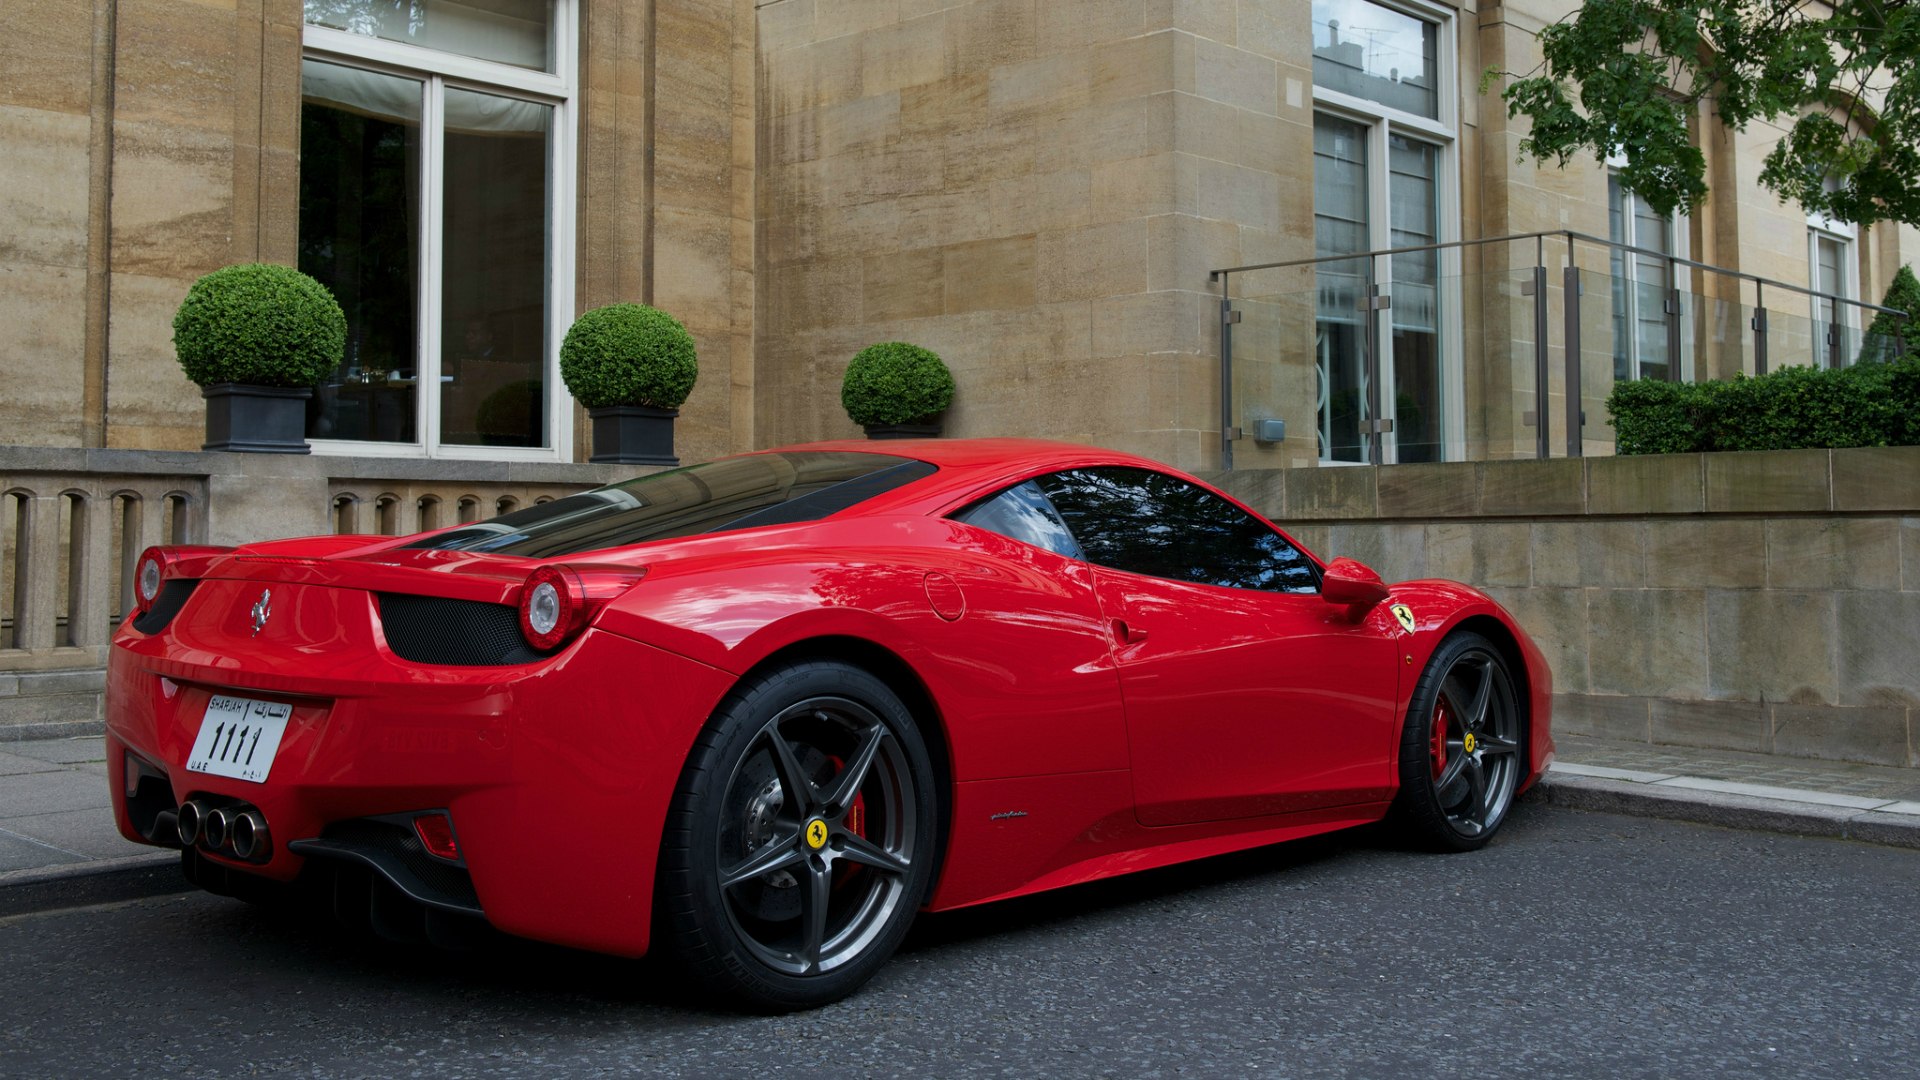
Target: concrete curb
[(1729, 809), (96, 881)]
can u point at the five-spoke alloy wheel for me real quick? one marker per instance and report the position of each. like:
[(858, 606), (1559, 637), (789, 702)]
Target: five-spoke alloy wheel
[(801, 839), (1462, 752)]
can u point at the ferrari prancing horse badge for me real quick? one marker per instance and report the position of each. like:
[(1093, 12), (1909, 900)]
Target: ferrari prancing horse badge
[(1405, 615)]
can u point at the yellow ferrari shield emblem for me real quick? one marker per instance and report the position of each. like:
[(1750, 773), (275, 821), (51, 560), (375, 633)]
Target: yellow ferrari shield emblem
[(1405, 615), (1468, 742), (816, 834)]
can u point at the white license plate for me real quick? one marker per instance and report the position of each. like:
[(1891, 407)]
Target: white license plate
[(239, 737)]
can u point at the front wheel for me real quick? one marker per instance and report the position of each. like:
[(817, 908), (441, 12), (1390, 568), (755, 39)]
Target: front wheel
[(1462, 749), (801, 839)]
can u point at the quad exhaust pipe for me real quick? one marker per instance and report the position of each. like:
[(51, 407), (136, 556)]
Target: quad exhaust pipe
[(239, 829), (189, 822), (248, 835)]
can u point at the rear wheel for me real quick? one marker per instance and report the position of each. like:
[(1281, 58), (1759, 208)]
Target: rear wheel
[(800, 842), (1462, 747)]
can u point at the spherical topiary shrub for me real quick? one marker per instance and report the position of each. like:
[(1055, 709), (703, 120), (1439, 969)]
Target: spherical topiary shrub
[(896, 383), (259, 324), (628, 354)]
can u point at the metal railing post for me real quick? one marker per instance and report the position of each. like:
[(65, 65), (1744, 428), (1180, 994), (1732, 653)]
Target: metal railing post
[(1226, 372), (1576, 398), (1542, 439), (1376, 428), (1759, 328), (1673, 320)]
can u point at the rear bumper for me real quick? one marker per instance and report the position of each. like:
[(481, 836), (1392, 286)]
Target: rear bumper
[(557, 775)]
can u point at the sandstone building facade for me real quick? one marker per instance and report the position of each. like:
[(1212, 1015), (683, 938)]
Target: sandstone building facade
[(1036, 189)]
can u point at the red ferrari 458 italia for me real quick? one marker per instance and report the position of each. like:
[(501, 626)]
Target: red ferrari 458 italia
[(759, 712)]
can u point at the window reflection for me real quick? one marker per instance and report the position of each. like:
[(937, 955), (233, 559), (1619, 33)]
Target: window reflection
[(1378, 54), (1150, 523), (504, 31), (1023, 513), (359, 236), (493, 330)]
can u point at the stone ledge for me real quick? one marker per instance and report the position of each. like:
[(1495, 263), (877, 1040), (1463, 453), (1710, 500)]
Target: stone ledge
[(197, 463), (1879, 480)]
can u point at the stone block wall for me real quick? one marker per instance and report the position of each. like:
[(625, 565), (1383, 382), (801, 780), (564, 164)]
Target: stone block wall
[(1765, 602), (1036, 190)]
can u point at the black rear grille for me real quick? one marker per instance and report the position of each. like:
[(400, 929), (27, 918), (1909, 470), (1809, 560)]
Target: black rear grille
[(436, 630), (390, 847), (173, 596)]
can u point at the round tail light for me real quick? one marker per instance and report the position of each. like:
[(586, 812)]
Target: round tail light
[(552, 607), (147, 575)]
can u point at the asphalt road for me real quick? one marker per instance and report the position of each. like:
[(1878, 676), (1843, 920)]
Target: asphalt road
[(1577, 945)]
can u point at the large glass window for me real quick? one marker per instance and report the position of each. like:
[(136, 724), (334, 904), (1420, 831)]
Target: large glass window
[(1830, 258), (1382, 151), (494, 305), (1413, 200), (360, 235), (433, 157), (1341, 226), (1378, 54), (1643, 286), (516, 32)]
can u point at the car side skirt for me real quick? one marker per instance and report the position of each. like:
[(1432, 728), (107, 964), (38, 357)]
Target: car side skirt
[(1026, 835)]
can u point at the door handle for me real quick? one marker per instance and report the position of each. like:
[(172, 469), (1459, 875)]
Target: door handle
[(1127, 635)]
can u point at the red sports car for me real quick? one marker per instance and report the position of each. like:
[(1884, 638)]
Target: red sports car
[(759, 712)]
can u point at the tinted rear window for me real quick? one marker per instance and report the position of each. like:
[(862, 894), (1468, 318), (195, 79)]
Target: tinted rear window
[(733, 493)]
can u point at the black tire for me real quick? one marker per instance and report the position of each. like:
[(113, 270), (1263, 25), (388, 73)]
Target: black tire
[(800, 842), (1462, 749)]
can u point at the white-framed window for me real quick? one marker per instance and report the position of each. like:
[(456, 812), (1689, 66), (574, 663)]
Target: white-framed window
[(1385, 165), (1648, 301), (1832, 271), (436, 201)]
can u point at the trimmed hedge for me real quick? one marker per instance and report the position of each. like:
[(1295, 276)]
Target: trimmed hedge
[(1794, 408), (260, 324), (628, 354), (893, 382)]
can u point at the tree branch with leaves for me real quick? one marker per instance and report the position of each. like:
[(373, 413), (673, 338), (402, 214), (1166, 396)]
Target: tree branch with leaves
[(1625, 76)]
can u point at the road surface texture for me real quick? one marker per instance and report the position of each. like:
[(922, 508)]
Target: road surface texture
[(1578, 944)]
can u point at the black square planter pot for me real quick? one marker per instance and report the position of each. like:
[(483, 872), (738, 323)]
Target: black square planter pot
[(903, 431), (257, 419), (633, 435)]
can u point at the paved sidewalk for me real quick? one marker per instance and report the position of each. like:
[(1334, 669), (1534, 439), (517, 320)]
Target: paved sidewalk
[(1837, 799), (58, 844)]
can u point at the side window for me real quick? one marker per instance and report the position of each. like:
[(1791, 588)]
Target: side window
[(1150, 523), (1023, 513)]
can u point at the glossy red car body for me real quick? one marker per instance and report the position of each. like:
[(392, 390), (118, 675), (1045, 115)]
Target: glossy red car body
[(1086, 722)]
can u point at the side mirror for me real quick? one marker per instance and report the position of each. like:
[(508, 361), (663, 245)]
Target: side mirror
[(1351, 582)]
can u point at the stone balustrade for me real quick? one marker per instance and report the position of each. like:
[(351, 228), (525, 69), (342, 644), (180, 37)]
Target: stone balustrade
[(73, 523)]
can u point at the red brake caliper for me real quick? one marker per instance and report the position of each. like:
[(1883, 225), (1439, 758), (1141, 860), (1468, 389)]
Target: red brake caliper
[(856, 822), (1440, 719)]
